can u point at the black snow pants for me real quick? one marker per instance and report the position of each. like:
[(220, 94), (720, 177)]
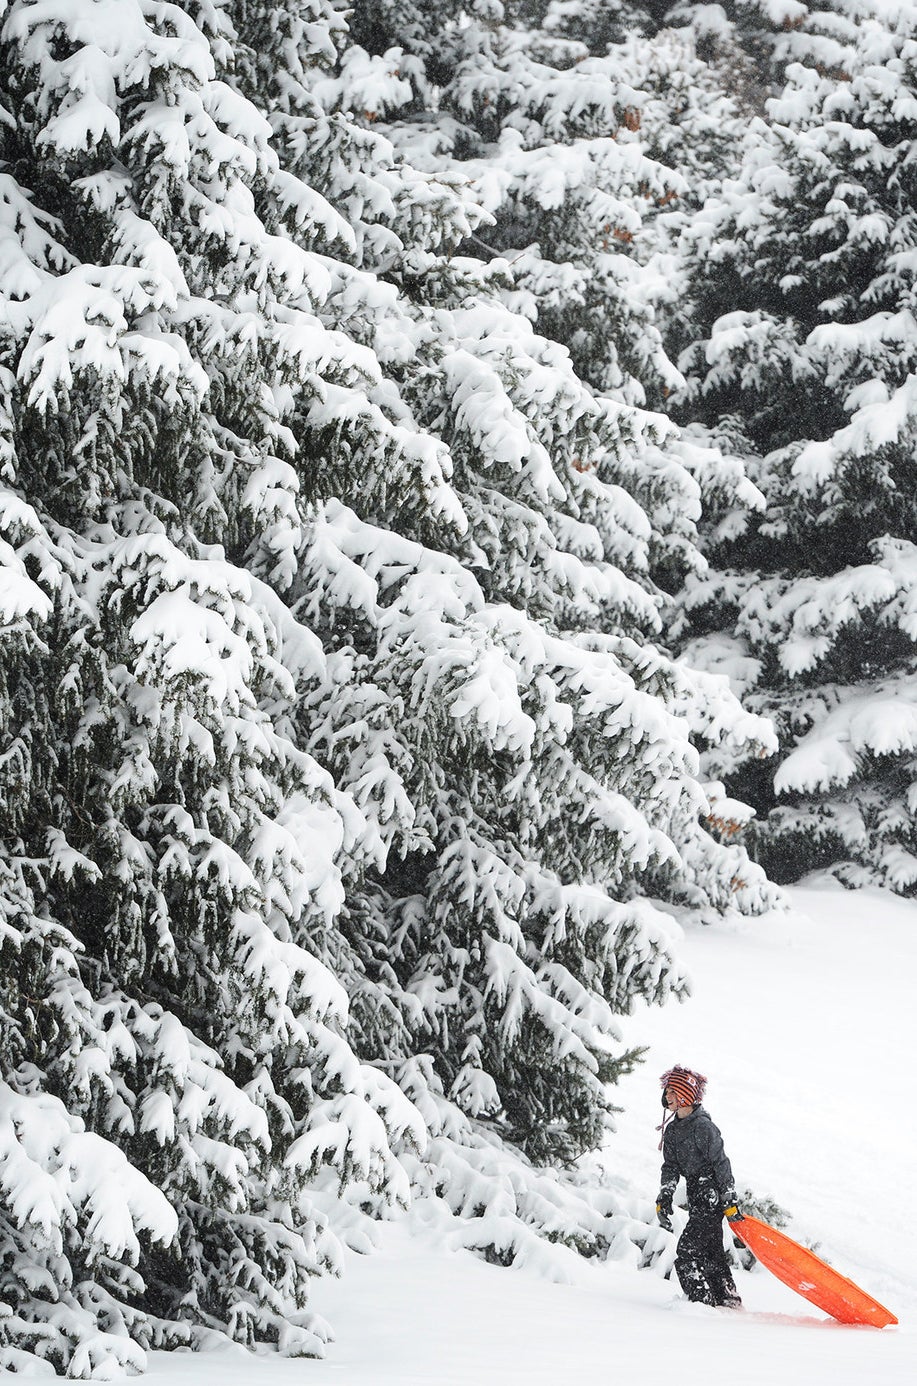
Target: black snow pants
[(701, 1262)]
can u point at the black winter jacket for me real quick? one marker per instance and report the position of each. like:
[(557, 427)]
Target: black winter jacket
[(693, 1148)]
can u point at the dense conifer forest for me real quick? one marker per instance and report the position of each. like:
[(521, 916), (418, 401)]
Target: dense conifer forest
[(457, 515)]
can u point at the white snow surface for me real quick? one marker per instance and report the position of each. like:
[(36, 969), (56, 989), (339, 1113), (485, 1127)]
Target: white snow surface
[(804, 1023)]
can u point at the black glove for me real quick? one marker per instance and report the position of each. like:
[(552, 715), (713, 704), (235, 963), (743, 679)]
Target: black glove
[(664, 1215), (733, 1213)]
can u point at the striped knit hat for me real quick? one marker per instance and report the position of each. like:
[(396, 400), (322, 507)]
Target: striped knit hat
[(687, 1086)]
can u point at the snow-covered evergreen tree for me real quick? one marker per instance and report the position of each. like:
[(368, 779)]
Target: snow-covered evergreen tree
[(570, 150), (514, 97), (804, 273), (340, 765), (527, 447), (175, 857)]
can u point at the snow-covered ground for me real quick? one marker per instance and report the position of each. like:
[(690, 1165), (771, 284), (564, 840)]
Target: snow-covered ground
[(805, 1025)]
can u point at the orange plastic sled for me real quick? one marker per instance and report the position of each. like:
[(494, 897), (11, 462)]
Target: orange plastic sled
[(809, 1276)]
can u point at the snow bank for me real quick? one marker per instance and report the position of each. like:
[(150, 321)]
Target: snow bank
[(804, 1023)]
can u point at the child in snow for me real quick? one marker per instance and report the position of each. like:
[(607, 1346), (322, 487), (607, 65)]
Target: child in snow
[(692, 1147)]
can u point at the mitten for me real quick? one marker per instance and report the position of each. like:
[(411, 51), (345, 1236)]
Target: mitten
[(664, 1215)]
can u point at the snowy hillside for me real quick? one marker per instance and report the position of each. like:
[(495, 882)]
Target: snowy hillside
[(803, 1023), (458, 520)]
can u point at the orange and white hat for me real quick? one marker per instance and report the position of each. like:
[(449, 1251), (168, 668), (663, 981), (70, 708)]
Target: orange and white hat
[(688, 1086)]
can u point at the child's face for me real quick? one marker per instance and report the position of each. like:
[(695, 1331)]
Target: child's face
[(671, 1102)]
